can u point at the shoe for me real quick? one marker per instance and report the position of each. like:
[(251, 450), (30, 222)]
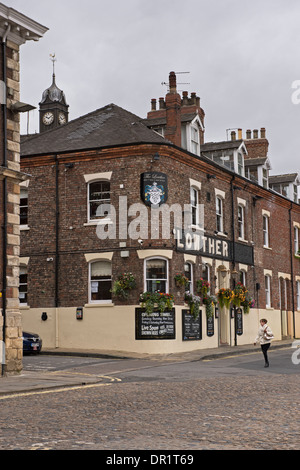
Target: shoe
[(266, 365)]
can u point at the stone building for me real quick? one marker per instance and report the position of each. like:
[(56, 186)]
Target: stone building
[(112, 193), (15, 30)]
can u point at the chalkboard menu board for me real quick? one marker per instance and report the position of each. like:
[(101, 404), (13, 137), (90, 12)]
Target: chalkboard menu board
[(191, 327), (156, 325)]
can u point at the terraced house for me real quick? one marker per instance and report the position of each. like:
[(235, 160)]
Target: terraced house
[(134, 230)]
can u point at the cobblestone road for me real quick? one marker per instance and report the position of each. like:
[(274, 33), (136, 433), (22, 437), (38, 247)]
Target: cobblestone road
[(218, 413)]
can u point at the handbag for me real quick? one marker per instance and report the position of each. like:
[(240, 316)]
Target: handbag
[(268, 336)]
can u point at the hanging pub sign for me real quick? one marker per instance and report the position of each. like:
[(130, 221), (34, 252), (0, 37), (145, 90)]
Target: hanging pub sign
[(154, 188)]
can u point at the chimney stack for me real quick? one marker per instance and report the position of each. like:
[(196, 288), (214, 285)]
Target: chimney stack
[(173, 112)]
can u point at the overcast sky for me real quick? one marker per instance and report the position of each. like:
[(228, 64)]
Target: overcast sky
[(242, 57)]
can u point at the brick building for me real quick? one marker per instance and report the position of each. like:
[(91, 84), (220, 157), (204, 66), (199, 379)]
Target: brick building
[(111, 193), (15, 30)]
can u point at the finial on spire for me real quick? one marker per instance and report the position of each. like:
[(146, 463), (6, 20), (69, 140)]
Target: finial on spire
[(53, 60)]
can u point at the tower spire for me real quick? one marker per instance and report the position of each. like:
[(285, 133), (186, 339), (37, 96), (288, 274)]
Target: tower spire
[(53, 60)]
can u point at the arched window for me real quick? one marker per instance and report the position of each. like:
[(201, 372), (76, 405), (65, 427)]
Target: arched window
[(156, 275), (268, 290), (188, 272), (100, 282)]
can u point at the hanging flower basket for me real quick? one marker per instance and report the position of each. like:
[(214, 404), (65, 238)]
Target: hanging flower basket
[(225, 297), (152, 301), (247, 304), (203, 287), (209, 302), (123, 285), (193, 302), (181, 280), (240, 292)]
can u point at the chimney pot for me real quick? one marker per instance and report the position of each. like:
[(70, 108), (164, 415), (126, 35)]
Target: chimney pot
[(172, 82), (248, 134), (263, 133), (233, 135), (255, 134), (161, 103), (240, 134), (153, 104)]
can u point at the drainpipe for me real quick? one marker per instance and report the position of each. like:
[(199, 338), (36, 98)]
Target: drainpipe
[(4, 164), (292, 269), (233, 251), (56, 250)]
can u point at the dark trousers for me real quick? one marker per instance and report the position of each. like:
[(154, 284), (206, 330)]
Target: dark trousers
[(264, 348)]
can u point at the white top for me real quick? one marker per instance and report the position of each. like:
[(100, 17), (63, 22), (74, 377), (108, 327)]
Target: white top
[(260, 335)]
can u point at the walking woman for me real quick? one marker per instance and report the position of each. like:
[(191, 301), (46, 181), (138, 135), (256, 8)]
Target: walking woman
[(264, 338)]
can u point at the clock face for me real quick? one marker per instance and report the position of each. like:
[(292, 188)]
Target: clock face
[(62, 119), (48, 118)]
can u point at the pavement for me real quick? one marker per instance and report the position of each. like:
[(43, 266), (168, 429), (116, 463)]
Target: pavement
[(43, 382)]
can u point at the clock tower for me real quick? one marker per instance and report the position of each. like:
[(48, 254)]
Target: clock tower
[(54, 110)]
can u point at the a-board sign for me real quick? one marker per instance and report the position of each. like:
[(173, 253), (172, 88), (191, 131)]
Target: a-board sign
[(156, 325), (191, 327)]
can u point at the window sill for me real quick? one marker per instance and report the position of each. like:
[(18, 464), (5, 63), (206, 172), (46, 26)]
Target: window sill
[(24, 227), (242, 240), (98, 222), (24, 307), (96, 305)]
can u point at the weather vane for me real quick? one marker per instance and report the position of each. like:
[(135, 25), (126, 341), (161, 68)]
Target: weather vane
[(53, 60)]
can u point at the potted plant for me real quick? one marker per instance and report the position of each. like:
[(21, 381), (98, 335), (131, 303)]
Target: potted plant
[(123, 285), (181, 280), (225, 297), (156, 300), (193, 302)]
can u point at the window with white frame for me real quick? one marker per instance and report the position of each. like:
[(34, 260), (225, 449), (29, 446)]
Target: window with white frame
[(24, 206), (98, 199), (298, 294), (188, 272), (23, 285), (219, 214), (266, 234), (194, 206), (268, 290), (242, 277), (241, 221), (296, 239), (195, 140), (206, 272), (156, 275), (100, 282)]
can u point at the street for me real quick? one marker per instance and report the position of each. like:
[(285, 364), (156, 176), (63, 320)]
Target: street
[(231, 403)]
